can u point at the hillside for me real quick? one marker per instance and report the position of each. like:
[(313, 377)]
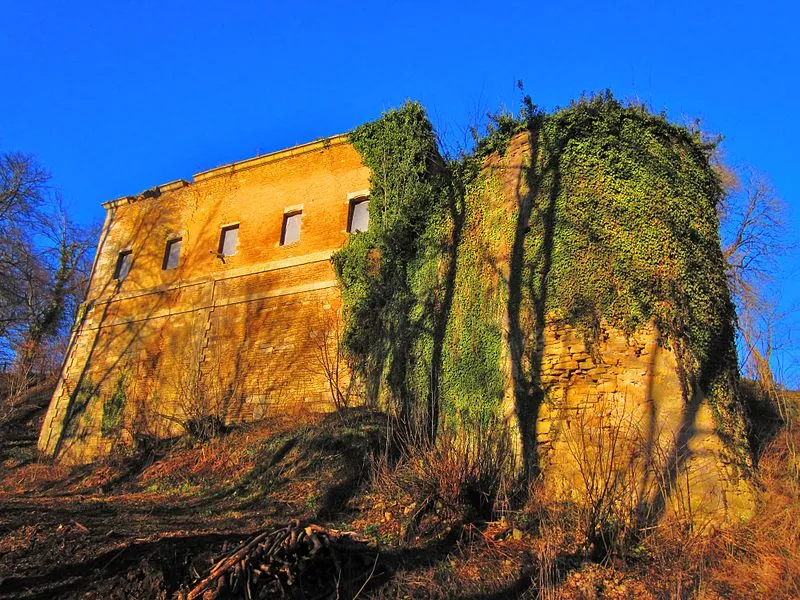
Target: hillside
[(518, 378), (145, 526)]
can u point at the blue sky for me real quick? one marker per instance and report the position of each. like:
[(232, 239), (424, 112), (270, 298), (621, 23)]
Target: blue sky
[(115, 97)]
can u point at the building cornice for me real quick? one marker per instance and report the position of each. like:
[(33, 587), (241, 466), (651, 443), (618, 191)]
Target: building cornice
[(231, 168)]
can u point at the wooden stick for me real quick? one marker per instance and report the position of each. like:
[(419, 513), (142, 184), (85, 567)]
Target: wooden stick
[(223, 565)]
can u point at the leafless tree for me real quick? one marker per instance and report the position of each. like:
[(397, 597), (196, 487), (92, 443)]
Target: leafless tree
[(44, 265), (752, 220), (328, 358)]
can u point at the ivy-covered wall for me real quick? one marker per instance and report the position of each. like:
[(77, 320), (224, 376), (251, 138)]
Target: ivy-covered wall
[(390, 276), (605, 217)]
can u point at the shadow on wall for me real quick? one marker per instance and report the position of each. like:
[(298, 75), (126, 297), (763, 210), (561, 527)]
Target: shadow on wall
[(677, 439), (157, 362), (543, 228)]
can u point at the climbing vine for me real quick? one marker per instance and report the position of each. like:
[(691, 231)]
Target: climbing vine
[(624, 230), (382, 270), (113, 409), (615, 223)]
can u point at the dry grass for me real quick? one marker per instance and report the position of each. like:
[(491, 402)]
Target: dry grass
[(449, 515), (467, 476), (551, 557), (761, 558)]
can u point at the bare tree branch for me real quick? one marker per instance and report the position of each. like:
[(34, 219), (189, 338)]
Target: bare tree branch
[(752, 225)]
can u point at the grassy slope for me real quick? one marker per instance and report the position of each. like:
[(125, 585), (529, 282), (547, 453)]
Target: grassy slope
[(137, 526)]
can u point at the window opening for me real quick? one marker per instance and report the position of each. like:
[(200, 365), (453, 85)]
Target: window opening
[(228, 240), (172, 254), (358, 219), (124, 261), (291, 228)]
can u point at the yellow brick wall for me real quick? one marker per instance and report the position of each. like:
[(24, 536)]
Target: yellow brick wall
[(617, 409), (239, 337), (243, 338)]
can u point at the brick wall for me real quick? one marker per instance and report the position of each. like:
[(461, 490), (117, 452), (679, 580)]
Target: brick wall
[(618, 408), (251, 335), (241, 336)]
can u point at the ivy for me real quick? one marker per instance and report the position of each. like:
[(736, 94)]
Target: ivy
[(617, 225), (113, 409), (473, 381), (381, 270), (624, 230), (84, 395)]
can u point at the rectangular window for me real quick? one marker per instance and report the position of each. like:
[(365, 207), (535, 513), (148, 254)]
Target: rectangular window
[(172, 254), (124, 261), (228, 240), (358, 219), (291, 228)]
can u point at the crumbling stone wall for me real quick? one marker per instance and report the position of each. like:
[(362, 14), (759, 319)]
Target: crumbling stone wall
[(616, 406), (243, 334), (619, 410)]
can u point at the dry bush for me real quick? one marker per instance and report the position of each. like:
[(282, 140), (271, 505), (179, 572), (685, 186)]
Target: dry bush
[(207, 395), (22, 380), (205, 403), (328, 358), (15, 384), (767, 412), (625, 479), (761, 557), (608, 492), (468, 472), (754, 559)]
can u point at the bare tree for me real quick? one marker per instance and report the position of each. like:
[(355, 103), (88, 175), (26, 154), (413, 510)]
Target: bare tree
[(752, 222), (328, 356), (22, 190), (44, 265), (23, 186)]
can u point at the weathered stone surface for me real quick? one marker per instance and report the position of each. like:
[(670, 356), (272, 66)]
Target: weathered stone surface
[(237, 336), (620, 409)]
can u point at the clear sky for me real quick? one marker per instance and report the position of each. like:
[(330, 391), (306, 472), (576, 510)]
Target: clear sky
[(116, 97)]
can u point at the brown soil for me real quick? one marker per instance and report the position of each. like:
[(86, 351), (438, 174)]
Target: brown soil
[(149, 525)]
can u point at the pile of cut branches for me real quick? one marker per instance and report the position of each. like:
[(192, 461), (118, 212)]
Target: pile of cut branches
[(291, 562)]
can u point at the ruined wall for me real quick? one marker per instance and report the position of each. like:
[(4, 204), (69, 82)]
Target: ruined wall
[(575, 290), (616, 419), (241, 336), (566, 282), (592, 407)]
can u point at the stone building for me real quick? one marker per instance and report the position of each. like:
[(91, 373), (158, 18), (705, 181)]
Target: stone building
[(214, 296)]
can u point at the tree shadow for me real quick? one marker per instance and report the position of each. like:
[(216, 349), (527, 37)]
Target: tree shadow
[(441, 310), (165, 559)]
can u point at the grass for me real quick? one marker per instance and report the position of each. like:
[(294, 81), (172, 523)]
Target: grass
[(450, 520)]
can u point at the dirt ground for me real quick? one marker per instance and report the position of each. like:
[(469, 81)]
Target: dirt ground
[(109, 531), (150, 524)]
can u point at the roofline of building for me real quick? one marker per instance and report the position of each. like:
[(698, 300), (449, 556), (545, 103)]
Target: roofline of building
[(231, 168)]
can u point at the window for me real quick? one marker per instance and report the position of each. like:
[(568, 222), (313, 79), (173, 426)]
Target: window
[(172, 254), (124, 261), (358, 219), (228, 240), (291, 227)]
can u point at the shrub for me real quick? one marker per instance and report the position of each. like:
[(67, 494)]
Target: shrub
[(467, 474), (205, 427)]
